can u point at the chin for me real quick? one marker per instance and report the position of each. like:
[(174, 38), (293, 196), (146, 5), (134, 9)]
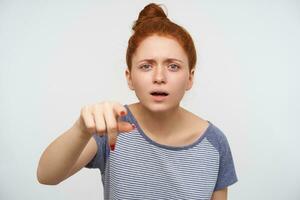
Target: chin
[(158, 107)]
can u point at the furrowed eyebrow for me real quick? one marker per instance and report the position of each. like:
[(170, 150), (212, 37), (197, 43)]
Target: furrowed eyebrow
[(165, 61)]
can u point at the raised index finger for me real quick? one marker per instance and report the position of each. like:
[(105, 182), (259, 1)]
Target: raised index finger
[(119, 109)]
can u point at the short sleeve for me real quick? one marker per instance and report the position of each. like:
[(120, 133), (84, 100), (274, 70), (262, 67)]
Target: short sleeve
[(227, 174), (99, 160)]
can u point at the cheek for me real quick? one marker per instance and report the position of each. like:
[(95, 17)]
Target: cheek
[(140, 82), (179, 81)]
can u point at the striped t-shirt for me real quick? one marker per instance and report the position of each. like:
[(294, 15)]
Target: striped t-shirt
[(140, 168)]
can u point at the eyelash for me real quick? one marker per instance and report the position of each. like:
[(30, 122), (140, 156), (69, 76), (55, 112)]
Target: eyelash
[(142, 66)]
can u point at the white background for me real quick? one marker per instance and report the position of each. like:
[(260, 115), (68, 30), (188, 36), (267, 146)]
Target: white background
[(56, 56)]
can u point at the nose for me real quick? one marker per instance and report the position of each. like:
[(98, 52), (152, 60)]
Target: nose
[(159, 75)]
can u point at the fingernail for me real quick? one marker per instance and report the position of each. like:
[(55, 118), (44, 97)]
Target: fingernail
[(112, 147), (133, 126), (122, 113)]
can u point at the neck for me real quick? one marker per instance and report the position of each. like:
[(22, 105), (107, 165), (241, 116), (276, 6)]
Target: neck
[(160, 124)]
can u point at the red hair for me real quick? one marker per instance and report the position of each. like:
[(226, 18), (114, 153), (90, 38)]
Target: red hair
[(152, 20)]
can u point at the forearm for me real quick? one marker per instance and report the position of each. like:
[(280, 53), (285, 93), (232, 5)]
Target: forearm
[(59, 157)]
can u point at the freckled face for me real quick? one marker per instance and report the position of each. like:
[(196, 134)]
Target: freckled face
[(159, 63)]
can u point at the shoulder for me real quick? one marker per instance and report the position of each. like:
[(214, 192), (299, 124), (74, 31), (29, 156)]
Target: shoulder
[(217, 137), (194, 121), (216, 132)]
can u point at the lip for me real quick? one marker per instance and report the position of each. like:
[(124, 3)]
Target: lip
[(159, 91), (159, 98)]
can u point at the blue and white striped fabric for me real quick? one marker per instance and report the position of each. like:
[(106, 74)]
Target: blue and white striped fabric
[(140, 168)]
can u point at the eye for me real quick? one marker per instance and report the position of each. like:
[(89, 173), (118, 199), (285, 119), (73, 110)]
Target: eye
[(145, 66), (174, 67)]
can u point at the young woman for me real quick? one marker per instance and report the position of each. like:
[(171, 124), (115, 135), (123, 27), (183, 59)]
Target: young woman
[(152, 149)]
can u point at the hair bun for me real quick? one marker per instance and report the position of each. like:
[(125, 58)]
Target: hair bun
[(150, 12)]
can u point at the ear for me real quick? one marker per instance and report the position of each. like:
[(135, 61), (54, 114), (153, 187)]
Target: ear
[(129, 79), (191, 79)]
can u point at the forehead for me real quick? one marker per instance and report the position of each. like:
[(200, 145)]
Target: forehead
[(159, 48)]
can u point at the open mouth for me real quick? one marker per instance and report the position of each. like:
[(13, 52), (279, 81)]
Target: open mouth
[(159, 94)]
